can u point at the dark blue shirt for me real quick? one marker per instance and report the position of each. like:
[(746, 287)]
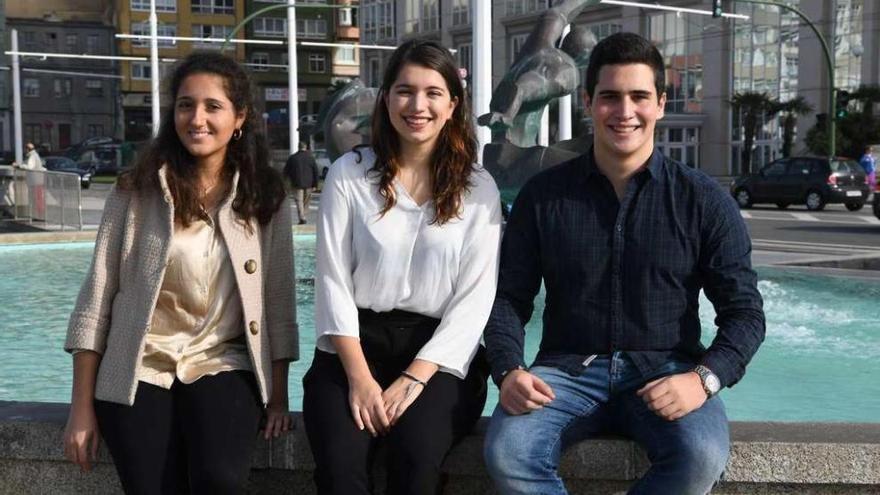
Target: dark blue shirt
[(625, 275)]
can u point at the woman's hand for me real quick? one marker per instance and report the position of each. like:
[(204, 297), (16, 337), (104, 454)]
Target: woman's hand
[(81, 437), (277, 419), (399, 396), (367, 405)]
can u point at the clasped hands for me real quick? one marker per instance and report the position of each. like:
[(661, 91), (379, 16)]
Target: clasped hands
[(378, 410), (671, 397)]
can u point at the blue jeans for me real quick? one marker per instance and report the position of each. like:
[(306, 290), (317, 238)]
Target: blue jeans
[(687, 455)]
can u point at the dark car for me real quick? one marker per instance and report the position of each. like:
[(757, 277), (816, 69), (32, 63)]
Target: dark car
[(877, 200), (64, 164), (813, 181)]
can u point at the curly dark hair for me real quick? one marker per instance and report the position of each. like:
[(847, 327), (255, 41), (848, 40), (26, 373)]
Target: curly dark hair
[(260, 188), (455, 152)]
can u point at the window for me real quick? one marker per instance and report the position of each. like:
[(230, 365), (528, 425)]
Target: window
[(272, 27), (378, 21), (71, 40), (31, 88), (374, 75), (92, 44), (516, 43), (461, 12), (140, 70), (679, 39), (161, 5), (51, 38), (210, 31), (162, 29), (422, 15), (260, 61), (345, 56), (516, 7), (604, 30), (345, 16), (94, 87), (33, 133), (464, 53), (775, 169), (29, 39), (311, 28), (63, 88), (213, 7), (94, 130), (317, 63)]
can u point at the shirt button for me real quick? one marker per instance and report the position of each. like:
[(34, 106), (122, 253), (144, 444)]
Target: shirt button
[(619, 227), (254, 327), (250, 266)]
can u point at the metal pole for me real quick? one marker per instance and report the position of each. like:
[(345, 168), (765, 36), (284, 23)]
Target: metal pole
[(564, 131), (292, 83), (544, 135), (16, 100), (154, 66), (832, 117), (481, 22)]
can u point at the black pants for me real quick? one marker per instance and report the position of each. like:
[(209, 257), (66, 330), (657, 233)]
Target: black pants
[(445, 411), (196, 438)]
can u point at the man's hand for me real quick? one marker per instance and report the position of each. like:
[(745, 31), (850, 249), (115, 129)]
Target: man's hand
[(674, 396), (523, 392)]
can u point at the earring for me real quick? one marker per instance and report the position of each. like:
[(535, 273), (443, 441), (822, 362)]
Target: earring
[(236, 134)]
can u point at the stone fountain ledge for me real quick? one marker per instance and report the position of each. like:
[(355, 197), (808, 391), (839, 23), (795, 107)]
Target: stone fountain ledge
[(767, 458)]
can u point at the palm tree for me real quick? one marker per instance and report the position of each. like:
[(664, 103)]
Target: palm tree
[(754, 108), (790, 110)]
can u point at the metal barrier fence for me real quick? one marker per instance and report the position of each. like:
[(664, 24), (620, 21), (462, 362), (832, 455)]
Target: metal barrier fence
[(54, 198)]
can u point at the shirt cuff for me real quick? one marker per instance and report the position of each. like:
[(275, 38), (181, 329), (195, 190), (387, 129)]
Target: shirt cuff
[(501, 365)]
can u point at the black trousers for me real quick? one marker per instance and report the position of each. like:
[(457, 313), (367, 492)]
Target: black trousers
[(445, 411), (196, 438)]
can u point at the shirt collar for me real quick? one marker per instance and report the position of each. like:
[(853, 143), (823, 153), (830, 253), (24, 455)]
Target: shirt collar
[(655, 167)]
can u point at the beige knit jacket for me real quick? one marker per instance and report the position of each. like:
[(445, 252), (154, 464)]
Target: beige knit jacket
[(116, 302)]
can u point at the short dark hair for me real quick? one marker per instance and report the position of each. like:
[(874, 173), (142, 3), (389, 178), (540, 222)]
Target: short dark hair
[(303, 145), (626, 48)]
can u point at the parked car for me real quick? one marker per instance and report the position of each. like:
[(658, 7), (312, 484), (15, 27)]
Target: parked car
[(64, 164), (877, 200), (813, 181)]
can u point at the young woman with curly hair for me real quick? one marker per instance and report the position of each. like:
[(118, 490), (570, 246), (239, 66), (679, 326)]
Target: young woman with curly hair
[(185, 324), (407, 252)]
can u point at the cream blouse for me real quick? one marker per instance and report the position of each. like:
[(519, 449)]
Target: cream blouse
[(197, 327)]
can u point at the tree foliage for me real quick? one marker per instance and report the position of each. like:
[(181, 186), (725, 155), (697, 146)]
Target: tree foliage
[(855, 131), (754, 107)]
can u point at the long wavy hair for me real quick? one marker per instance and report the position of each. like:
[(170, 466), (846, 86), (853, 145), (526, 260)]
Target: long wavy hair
[(455, 152), (260, 188)]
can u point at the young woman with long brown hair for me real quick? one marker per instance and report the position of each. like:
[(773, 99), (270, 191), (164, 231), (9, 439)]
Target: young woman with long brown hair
[(185, 324), (407, 252)]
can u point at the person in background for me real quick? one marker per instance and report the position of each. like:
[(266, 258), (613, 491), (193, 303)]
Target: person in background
[(406, 267), (869, 163), (301, 171), (185, 324), (32, 160), (623, 239)]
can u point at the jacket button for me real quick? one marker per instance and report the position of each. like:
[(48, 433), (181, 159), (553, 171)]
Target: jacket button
[(250, 266), (255, 328)]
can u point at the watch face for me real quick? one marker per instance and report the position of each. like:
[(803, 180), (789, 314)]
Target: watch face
[(713, 384)]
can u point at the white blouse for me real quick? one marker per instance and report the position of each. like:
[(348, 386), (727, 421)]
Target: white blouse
[(402, 261)]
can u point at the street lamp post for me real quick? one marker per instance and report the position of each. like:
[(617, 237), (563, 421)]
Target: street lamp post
[(832, 117)]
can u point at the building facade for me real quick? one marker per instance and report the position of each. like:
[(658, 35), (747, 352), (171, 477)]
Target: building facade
[(318, 67), (184, 18), (707, 60)]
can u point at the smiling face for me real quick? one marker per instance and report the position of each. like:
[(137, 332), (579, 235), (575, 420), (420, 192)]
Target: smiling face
[(204, 117), (625, 109), (419, 105)]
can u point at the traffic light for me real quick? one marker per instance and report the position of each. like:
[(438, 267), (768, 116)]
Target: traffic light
[(841, 104), (716, 8)]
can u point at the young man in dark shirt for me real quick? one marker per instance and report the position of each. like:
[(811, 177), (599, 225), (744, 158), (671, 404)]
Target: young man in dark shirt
[(302, 172), (623, 239)]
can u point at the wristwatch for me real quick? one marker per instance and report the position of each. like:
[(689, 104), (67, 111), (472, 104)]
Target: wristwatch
[(505, 372), (711, 383)]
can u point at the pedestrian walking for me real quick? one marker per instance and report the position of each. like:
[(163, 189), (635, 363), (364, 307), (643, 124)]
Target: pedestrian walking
[(301, 172), (869, 164), (185, 324)]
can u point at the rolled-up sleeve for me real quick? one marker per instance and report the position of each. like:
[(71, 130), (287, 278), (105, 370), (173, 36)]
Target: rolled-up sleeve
[(731, 285), (91, 317), (335, 309), (280, 293), (454, 342)]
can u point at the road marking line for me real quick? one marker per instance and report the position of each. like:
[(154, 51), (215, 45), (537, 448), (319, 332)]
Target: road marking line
[(805, 217), (775, 219), (745, 214), (871, 220)]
